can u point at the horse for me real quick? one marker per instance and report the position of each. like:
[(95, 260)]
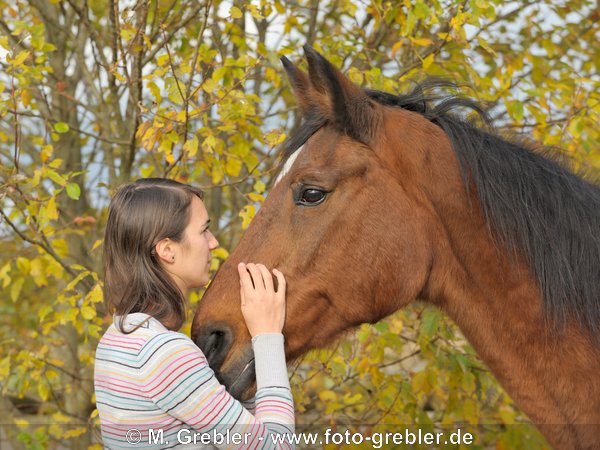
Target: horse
[(382, 199)]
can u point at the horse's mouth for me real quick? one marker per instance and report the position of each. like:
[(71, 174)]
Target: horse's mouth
[(243, 381), (240, 378)]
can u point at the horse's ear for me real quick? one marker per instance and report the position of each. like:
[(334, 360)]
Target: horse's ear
[(349, 107), (301, 86)]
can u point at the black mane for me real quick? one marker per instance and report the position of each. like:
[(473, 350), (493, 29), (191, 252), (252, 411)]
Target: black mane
[(532, 203)]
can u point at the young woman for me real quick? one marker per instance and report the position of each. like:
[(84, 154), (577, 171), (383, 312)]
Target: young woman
[(154, 388)]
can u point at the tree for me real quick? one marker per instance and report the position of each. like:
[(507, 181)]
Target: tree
[(93, 94)]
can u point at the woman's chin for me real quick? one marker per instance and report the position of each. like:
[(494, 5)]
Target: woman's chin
[(202, 283)]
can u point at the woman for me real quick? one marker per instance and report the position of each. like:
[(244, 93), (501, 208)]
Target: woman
[(154, 388)]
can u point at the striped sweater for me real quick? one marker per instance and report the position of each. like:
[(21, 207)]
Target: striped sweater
[(155, 390)]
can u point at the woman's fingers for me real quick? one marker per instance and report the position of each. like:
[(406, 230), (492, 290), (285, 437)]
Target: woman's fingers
[(263, 308), (245, 282), (242, 296), (256, 275), (267, 277), (280, 284)]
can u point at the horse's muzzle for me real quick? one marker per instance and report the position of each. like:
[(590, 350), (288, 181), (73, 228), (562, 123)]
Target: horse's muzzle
[(215, 340)]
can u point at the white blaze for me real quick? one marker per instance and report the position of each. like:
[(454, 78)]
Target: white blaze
[(288, 165)]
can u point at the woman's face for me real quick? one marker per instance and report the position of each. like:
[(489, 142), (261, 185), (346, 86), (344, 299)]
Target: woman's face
[(193, 252)]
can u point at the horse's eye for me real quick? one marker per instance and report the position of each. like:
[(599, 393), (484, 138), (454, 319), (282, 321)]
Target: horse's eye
[(312, 197)]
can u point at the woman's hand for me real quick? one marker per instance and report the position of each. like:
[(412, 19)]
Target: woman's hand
[(263, 308)]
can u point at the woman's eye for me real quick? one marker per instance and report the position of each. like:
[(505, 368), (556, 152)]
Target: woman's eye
[(312, 197)]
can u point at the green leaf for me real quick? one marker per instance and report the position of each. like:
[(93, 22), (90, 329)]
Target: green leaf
[(57, 178), (61, 127), (73, 191), (429, 324)]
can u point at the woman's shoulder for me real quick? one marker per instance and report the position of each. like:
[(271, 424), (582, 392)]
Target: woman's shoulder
[(144, 335)]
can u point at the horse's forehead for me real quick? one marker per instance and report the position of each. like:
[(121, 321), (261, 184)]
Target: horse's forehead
[(288, 165)]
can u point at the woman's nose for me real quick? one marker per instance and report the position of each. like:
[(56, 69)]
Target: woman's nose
[(213, 242)]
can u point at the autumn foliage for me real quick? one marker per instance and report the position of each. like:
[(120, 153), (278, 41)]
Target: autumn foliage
[(95, 93)]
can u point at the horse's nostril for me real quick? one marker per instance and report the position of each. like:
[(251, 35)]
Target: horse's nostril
[(215, 342), (215, 338)]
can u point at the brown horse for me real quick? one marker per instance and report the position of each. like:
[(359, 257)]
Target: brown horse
[(383, 199)]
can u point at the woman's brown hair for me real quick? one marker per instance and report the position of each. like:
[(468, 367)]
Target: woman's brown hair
[(140, 215)]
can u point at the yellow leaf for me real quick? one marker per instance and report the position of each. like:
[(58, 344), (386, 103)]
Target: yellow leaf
[(255, 12), (235, 12), (217, 173), (396, 47), (74, 432), (97, 244), (427, 61), (155, 90), (256, 197), (209, 85), (220, 253), (44, 311), (70, 315), (247, 214), (20, 58), (21, 423), (4, 274), (24, 265), (127, 33), (15, 289), (423, 42), (43, 390), (210, 142), (55, 431), (25, 98), (191, 146), (62, 249), (259, 186), (233, 167), (87, 312), (274, 137), (55, 164), (327, 395), (4, 367), (46, 152)]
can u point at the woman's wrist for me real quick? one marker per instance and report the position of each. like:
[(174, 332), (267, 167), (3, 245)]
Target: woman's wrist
[(268, 333), (269, 360)]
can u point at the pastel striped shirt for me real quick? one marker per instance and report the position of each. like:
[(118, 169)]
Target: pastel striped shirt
[(155, 390)]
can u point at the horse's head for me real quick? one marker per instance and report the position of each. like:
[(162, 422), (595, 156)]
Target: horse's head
[(348, 221)]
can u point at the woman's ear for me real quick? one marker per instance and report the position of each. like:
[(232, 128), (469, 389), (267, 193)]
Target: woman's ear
[(165, 250)]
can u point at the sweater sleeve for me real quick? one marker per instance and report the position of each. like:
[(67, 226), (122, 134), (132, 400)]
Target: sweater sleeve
[(178, 379)]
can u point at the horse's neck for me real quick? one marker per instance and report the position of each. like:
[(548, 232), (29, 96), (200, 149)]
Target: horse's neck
[(553, 378)]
